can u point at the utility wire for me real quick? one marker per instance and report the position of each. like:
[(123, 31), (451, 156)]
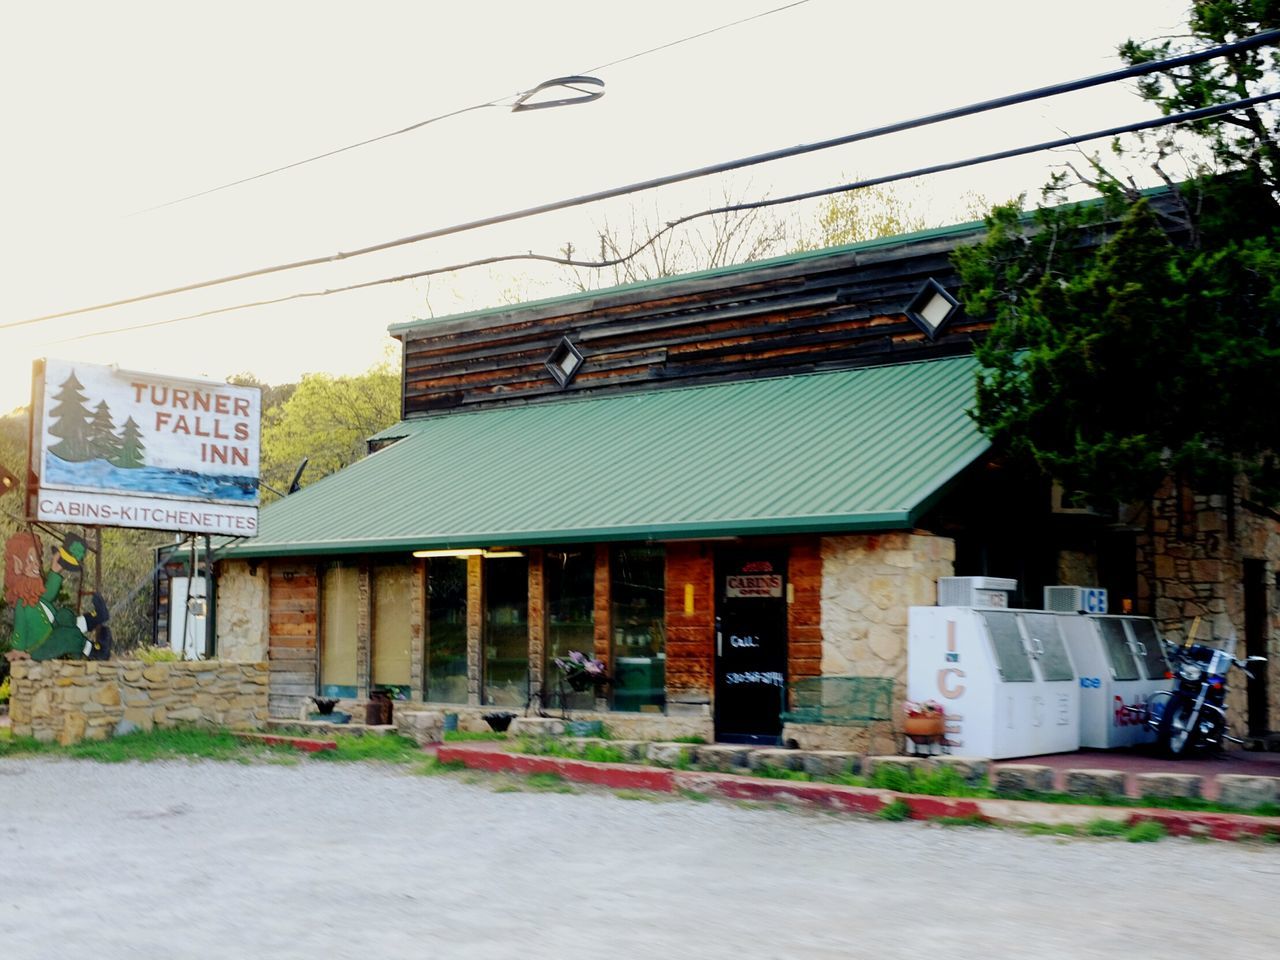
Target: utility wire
[(1261, 39), (497, 101), (1187, 117), (319, 156), (696, 36)]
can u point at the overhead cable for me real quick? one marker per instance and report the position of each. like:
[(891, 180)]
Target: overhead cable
[(1039, 93), (518, 106), (1189, 116)]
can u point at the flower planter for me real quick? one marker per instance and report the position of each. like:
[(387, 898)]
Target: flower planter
[(333, 716), (584, 728), (925, 726), (450, 722), (498, 722)]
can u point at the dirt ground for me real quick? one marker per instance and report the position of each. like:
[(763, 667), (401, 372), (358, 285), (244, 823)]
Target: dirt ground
[(316, 860)]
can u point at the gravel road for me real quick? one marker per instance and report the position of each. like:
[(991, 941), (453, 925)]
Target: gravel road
[(320, 861)]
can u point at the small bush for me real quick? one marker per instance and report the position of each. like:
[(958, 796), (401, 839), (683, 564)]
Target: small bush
[(1146, 831), (938, 782), (1106, 828), (896, 810), (4, 690), (157, 655)]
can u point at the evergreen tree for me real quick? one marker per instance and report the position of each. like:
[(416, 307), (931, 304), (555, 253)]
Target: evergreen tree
[(102, 434), (72, 416), (130, 452)]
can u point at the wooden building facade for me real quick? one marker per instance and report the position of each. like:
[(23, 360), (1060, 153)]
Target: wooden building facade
[(717, 485)]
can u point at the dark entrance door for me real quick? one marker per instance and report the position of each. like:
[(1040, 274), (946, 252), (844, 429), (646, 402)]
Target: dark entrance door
[(751, 645), (1255, 642)]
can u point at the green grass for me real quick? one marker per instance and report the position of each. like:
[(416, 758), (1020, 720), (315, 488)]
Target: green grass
[(778, 773), (938, 782), (571, 750), (462, 736), (388, 748), (1189, 804), (1050, 829), (174, 744), (1146, 831), (693, 739), (434, 767), (636, 795), (695, 795), (895, 810), (1102, 827), (972, 820), (549, 783)]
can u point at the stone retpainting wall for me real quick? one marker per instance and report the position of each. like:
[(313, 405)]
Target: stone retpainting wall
[(1191, 563), (73, 700), (868, 583)]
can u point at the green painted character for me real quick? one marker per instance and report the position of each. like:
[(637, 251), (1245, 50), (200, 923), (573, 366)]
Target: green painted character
[(42, 628)]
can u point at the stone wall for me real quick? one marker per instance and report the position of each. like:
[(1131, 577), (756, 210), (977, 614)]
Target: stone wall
[(242, 611), (73, 700), (868, 582), (1191, 563)]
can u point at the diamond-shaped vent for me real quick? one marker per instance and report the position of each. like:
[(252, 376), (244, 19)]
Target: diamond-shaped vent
[(932, 308), (565, 362)]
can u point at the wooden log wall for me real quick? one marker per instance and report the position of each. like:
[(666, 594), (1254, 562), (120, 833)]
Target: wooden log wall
[(801, 316), (691, 636), (804, 613), (293, 618)]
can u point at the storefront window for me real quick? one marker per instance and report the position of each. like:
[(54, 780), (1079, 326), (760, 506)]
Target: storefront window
[(392, 602), (447, 630), (506, 627), (637, 576), (339, 596), (570, 585)]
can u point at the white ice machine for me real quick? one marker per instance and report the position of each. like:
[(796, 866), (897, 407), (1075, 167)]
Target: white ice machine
[(1005, 678), (1121, 663)]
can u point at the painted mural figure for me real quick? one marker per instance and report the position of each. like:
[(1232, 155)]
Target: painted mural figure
[(42, 628)]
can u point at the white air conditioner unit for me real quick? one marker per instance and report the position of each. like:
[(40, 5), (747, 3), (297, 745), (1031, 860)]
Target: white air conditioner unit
[(975, 591), (1065, 599)]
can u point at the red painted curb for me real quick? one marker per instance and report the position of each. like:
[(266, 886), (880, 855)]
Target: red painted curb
[(831, 796), (615, 776), (298, 743), (1220, 826)]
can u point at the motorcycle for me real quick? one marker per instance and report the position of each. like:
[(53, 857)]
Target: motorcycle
[(1191, 718)]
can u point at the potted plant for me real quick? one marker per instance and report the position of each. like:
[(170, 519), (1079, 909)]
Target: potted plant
[(925, 718), (325, 711), (581, 673), (499, 720)]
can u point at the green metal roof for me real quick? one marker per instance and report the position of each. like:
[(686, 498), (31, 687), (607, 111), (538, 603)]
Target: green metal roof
[(854, 450)]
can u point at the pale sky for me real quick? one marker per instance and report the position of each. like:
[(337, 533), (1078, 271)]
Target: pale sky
[(111, 108)]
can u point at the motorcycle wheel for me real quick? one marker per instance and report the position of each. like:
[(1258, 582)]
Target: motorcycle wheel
[(1178, 735)]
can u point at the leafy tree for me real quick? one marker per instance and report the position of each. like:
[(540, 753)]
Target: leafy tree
[(860, 215), (327, 420), (1129, 345)]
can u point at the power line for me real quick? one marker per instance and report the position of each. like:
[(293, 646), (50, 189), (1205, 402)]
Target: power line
[(1039, 93), (496, 101), (695, 36), (1189, 116)]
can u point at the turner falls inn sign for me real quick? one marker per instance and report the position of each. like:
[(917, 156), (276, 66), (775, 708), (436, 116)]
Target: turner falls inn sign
[(118, 448)]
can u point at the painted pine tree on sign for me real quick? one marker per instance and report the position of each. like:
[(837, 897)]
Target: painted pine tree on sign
[(71, 423)]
